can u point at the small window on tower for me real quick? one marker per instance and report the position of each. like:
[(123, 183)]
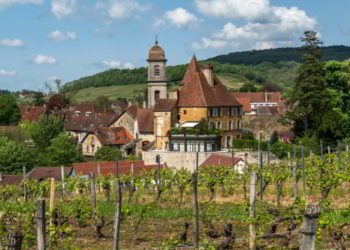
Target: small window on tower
[(156, 70), (156, 95)]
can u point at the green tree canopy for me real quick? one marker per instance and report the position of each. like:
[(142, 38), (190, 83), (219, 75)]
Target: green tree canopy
[(62, 151), (9, 111), (43, 131), (108, 154), (14, 156)]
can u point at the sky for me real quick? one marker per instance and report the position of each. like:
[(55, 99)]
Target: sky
[(44, 40)]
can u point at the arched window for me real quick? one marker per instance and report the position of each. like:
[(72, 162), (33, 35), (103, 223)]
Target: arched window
[(156, 70)]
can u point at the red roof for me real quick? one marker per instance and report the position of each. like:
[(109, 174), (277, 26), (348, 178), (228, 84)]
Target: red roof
[(132, 110), (6, 179), (196, 91), (32, 113), (245, 102), (145, 120), (220, 160), (110, 168), (164, 105), (113, 136), (43, 173), (89, 124), (259, 97)]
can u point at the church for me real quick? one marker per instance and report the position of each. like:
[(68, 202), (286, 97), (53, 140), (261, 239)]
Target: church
[(201, 115)]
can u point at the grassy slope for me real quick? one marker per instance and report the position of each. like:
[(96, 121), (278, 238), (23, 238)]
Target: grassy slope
[(112, 92)]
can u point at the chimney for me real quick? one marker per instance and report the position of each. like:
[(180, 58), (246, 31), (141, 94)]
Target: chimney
[(208, 73)]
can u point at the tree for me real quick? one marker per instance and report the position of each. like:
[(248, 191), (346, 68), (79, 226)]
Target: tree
[(108, 154), (38, 99), (62, 151), (14, 156), (9, 111), (310, 103), (102, 102), (274, 137), (43, 131)]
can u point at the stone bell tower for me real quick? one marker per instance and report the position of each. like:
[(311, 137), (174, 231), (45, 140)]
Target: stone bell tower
[(157, 78)]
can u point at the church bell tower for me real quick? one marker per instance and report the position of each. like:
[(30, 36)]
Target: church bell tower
[(157, 78)]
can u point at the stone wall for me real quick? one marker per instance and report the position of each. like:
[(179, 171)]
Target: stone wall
[(187, 159), (192, 114)]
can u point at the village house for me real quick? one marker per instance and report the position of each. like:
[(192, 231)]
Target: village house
[(7, 179), (220, 160), (115, 137), (44, 173)]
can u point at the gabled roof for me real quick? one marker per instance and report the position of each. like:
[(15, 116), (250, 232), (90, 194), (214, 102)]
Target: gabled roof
[(32, 113), (132, 110), (259, 97), (245, 102), (89, 124), (110, 168), (145, 120), (43, 173), (197, 92), (221, 160), (7, 179), (113, 136), (164, 105)]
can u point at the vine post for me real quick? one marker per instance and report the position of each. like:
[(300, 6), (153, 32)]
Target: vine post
[(41, 224), (117, 215), (63, 180), (24, 183), (159, 187), (252, 195), (309, 227), (295, 178), (303, 168), (93, 193), (195, 210), (261, 175)]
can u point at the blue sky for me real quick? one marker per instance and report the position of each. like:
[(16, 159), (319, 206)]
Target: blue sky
[(41, 40)]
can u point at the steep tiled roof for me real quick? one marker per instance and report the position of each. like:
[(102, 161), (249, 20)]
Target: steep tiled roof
[(196, 91), (220, 160), (258, 97), (6, 179), (245, 102), (43, 173), (164, 105), (110, 168), (113, 136), (145, 120), (132, 110), (89, 124), (32, 113)]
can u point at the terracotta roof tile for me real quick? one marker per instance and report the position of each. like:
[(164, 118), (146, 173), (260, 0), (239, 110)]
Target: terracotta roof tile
[(32, 113), (245, 102), (109, 168), (145, 120), (165, 105), (113, 136), (196, 91), (6, 179), (43, 173), (132, 110), (89, 124), (259, 97), (220, 160)]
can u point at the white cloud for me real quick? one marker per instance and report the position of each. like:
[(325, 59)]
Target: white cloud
[(61, 36), (7, 72), (120, 9), (11, 42), (266, 26), (113, 64), (63, 8), (179, 17), (44, 59), (7, 3)]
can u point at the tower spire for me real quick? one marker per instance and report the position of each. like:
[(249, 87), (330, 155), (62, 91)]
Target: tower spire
[(156, 39)]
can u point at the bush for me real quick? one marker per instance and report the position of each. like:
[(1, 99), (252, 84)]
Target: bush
[(252, 145), (108, 154), (280, 149)]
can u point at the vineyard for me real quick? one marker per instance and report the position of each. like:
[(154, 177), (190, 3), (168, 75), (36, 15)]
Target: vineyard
[(264, 207)]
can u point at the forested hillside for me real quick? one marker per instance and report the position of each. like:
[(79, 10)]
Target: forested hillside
[(254, 57), (255, 70)]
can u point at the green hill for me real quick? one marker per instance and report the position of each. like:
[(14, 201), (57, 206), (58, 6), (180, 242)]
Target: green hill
[(255, 57), (271, 69)]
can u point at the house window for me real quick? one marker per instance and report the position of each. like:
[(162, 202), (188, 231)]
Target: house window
[(156, 95), (229, 125), (156, 70), (214, 111), (239, 124), (176, 146), (218, 125), (87, 149), (185, 112), (228, 141), (88, 113)]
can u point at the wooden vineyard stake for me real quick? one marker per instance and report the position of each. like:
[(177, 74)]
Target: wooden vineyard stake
[(309, 227), (41, 224), (252, 197), (117, 215)]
